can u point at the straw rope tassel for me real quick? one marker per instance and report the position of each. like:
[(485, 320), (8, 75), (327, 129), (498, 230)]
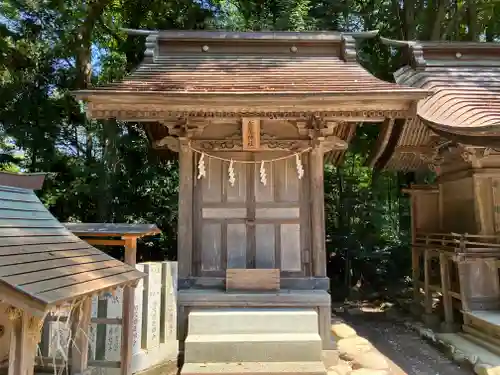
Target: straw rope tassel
[(262, 172), (300, 167), (202, 172), (230, 171)]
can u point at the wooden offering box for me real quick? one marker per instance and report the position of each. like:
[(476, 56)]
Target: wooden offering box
[(252, 279)]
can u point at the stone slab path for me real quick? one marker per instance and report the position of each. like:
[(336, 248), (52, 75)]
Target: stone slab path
[(406, 352)]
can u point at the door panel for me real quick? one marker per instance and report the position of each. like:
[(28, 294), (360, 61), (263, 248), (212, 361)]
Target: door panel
[(222, 217), (291, 259), (211, 247), (265, 245), (279, 239), (251, 225), (236, 246)]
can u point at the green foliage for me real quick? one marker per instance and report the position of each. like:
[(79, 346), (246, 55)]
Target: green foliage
[(106, 171)]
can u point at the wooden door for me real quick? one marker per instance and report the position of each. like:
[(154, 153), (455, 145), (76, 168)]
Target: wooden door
[(280, 211), (250, 225)]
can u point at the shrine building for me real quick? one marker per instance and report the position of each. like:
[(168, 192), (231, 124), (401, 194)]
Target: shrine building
[(456, 221), (253, 117)]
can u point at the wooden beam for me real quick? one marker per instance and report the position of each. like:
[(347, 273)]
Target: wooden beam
[(415, 254), (185, 216), (23, 349), (317, 212), (128, 310), (80, 323), (427, 288), (445, 288), (93, 241)]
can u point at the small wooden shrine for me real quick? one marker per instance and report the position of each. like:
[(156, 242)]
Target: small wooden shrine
[(456, 223), (253, 117), (44, 268), (126, 236)]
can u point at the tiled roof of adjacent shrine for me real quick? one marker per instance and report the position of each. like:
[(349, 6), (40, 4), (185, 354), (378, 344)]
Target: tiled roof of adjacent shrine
[(465, 106), (42, 263), (182, 65)]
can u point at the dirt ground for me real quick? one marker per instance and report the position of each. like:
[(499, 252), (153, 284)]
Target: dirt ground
[(409, 353)]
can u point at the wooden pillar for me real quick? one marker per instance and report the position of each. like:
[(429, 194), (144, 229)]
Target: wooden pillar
[(128, 310), (317, 212), (415, 254), (185, 218), (445, 289), (427, 277), (80, 323), (23, 348)]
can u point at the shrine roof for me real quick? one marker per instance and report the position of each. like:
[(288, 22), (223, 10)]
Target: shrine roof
[(112, 229), (200, 64), (42, 263), (465, 106)]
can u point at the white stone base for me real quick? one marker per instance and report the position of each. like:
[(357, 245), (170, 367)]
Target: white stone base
[(274, 347), (268, 368)]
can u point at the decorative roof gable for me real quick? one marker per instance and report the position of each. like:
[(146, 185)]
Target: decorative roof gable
[(464, 78)]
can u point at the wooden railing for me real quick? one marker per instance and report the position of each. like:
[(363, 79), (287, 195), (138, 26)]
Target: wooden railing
[(447, 249), (477, 246)]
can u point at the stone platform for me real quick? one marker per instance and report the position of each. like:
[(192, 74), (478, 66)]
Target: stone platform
[(253, 340)]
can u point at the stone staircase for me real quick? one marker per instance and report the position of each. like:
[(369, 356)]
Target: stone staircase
[(247, 341)]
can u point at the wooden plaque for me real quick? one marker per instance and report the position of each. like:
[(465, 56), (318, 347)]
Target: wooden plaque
[(250, 129), (252, 279)]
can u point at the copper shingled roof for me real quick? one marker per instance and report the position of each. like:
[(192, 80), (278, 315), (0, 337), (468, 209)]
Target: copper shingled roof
[(249, 63), (465, 80), (250, 73), (464, 97)]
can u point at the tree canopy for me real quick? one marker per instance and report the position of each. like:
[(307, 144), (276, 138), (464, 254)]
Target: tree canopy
[(106, 171)]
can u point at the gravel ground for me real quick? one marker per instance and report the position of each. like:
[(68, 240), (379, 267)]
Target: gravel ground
[(409, 353)]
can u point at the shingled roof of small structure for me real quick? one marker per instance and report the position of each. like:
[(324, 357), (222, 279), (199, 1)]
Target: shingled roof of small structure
[(42, 263), (465, 106)]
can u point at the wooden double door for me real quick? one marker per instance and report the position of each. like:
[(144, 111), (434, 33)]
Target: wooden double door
[(251, 224)]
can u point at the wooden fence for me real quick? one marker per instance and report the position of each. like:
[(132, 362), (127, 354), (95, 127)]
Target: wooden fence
[(154, 325)]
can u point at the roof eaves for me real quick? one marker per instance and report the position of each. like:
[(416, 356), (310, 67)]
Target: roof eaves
[(29, 181), (397, 92), (15, 296)]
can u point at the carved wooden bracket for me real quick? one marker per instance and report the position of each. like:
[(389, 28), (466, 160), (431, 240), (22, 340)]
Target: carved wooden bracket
[(251, 137), (333, 142), (473, 155), (172, 143), (185, 127)]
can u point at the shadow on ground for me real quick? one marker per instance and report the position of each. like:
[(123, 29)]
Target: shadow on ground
[(409, 353)]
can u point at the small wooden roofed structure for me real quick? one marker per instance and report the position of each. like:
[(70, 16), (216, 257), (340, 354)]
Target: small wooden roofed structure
[(464, 108), (126, 235), (239, 100), (106, 233), (43, 266)]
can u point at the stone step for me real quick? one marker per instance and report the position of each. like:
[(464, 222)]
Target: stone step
[(236, 321), (299, 347), (260, 368), (481, 340)]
